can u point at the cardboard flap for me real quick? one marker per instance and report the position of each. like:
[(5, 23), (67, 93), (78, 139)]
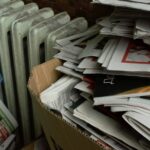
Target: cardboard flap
[(43, 76)]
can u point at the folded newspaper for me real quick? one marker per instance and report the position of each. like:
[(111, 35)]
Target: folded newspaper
[(107, 125), (8, 123), (59, 93), (106, 66), (136, 112), (135, 4), (9, 143)]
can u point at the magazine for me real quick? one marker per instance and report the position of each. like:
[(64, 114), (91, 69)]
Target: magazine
[(130, 56), (110, 87)]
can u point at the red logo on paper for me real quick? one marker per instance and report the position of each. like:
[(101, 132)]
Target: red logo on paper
[(137, 53)]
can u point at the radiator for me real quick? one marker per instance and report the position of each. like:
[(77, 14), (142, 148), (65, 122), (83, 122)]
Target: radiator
[(20, 29), (27, 37)]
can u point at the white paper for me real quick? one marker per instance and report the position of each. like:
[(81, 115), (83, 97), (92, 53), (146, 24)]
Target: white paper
[(106, 124), (84, 87), (91, 49), (7, 144), (121, 3), (55, 97), (72, 66), (89, 63), (126, 60), (140, 122)]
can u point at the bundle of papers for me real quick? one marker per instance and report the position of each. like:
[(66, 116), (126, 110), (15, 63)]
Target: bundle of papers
[(71, 114), (7, 123), (117, 26), (127, 23), (92, 53), (9, 143), (107, 74), (136, 112), (135, 4), (111, 87), (106, 124), (59, 93)]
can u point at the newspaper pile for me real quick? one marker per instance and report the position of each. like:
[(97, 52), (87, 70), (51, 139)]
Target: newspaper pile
[(127, 23), (105, 88), (8, 126), (135, 4)]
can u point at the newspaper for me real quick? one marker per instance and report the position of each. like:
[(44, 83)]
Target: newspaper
[(89, 63), (93, 47), (107, 125), (141, 5), (8, 123), (142, 28), (135, 101), (105, 51), (101, 137), (130, 13), (139, 122), (117, 26), (59, 93), (73, 66), (73, 44), (136, 112), (84, 87), (118, 87), (74, 74), (67, 57), (9, 143), (130, 56)]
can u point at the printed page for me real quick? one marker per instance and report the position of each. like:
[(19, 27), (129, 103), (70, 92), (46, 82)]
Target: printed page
[(106, 124), (139, 122), (93, 47), (131, 56), (89, 63), (56, 97), (7, 143), (118, 3), (8, 124), (84, 87)]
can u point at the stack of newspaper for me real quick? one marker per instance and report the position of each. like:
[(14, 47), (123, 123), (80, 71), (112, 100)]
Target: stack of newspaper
[(8, 125), (9, 143), (106, 86), (127, 23), (135, 4)]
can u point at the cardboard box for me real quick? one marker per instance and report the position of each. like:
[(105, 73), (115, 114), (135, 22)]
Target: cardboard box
[(29, 147), (60, 134), (40, 144)]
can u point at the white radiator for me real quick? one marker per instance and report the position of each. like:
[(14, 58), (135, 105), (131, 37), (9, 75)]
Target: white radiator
[(27, 37), (20, 29)]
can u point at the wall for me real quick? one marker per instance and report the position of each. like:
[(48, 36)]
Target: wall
[(75, 8)]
